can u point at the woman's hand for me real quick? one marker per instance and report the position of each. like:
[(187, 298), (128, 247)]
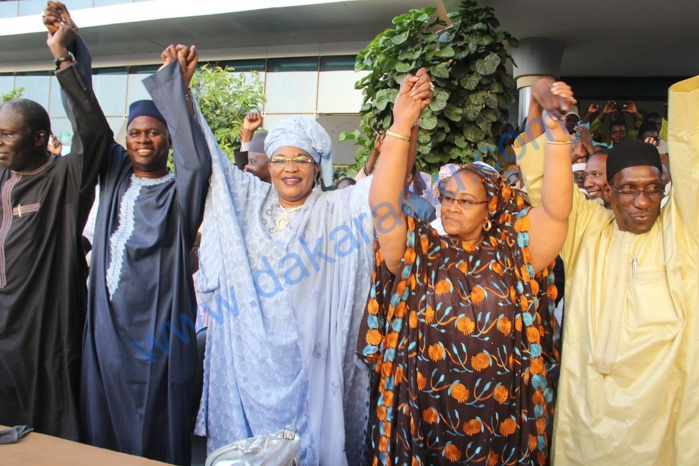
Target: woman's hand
[(414, 95), (555, 98)]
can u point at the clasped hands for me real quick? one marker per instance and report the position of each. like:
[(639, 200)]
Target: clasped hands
[(555, 99), (187, 57), (415, 93)]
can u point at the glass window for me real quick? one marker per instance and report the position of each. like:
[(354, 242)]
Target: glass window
[(110, 2), (343, 152), (32, 7), (110, 91), (292, 64), (116, 123), (136, 90), (7, 84), (60, 127), (340, 63), (143, 69), (336, 92), (242, 65), (33, 73), (273, 120), (112, 70), (9, 9), (36, 88), (293, 92), (56, 109)]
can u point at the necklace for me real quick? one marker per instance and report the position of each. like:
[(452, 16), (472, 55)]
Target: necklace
[(284, 218)]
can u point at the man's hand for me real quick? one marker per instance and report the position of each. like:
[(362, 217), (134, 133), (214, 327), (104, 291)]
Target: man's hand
[(578, 152), (378, 140), (59, 41), (652, 140), (251, 123), (62, 29), (56, 13), (555, 98), (609, 107), (187, 58), (55, 146), (631, 107), (585, 139), (168, 56), (593, 109)]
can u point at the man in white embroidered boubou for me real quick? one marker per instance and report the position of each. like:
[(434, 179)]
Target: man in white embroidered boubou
[(133, 398)]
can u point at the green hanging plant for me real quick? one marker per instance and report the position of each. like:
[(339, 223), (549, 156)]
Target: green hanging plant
[(224, 98), (466, 60)]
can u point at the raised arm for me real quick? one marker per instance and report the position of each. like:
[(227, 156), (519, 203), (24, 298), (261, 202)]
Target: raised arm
[(683, 140), (251, 123), (169, 88), (55, 14), (549, 221), (386, 193), (591, 114), (93, 137)]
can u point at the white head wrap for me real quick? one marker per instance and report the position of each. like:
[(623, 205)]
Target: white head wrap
[(306, 134)]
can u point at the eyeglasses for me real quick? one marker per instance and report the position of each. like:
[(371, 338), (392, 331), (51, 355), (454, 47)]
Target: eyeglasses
[(652, 192), (11, 137), (300, 160), (462, 202)]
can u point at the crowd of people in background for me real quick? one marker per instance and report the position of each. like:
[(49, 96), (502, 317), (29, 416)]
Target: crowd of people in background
[(543, 311)]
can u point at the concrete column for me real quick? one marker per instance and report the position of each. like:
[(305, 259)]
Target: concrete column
[(536, 57)]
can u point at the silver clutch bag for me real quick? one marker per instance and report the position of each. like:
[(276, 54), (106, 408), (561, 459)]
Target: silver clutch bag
[(281, 448)]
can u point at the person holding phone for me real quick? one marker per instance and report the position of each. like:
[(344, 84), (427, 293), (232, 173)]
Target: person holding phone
[(614, 111)]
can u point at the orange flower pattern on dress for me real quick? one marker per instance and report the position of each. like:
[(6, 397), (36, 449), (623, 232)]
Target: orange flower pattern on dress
[(465, 325), (436, 352), (459, 392), (412, 319), (373, 337), (473, 427), (477, 294), (504, 325), (429, 415), (480, 361), (501, 394), (443, 286), (462, 342), (452, 453), (508, 427)]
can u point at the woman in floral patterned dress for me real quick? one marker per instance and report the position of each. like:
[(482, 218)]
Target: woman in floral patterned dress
[(458, 328)]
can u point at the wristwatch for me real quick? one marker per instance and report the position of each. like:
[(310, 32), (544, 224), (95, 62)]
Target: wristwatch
[(60, 60)]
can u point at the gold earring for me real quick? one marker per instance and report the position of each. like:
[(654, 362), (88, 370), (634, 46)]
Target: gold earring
[(487, 225)]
